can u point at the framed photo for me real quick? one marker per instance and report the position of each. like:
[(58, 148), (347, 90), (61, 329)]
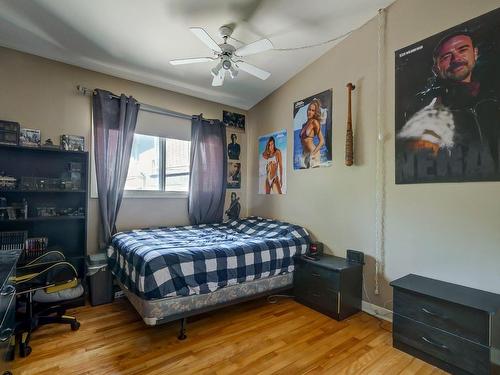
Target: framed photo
[(233, 120), (29, 137), (233, 175), (72, 142)]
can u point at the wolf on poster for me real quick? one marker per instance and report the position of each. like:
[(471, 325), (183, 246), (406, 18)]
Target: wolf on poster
[(448, 105), (312, 131), (272, 163)]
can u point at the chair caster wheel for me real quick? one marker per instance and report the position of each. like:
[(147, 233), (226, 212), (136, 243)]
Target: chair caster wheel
[(182, 336), (75, 326), (24, 351)]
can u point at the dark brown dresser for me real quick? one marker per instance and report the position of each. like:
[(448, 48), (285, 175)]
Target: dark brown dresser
[(330, 285), (450, 326)]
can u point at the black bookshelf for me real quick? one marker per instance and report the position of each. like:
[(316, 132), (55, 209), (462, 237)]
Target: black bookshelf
[(64, 231)]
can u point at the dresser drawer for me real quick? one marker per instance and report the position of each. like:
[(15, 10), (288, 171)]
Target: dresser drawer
[(308, 273), (460, 320), (461, 353)]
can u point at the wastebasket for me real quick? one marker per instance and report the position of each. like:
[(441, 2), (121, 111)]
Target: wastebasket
[(100, 280)]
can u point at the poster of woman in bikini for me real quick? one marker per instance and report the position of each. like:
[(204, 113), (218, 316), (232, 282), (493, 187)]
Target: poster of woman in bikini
[(272, 163), (312, 131)]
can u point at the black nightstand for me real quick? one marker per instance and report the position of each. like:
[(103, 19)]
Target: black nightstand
[(330, 285)]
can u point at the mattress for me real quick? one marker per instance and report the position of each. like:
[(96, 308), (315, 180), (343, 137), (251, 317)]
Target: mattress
[(157, 263)]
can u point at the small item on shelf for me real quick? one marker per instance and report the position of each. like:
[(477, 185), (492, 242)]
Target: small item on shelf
[(50, 145), (14, 211), (30, 137), (46, 211), (40, 183), (36, 246), (72, 211), (13, 240), (72, 178), (7, 182), (9, 133), (72, 142), (3, 202)]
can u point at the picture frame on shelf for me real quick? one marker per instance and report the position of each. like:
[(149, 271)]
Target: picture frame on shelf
[(72, 142), (30, 137), (9, 133)]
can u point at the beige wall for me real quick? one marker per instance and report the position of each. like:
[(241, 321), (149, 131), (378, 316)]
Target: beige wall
[(41, 94), (445, 231)]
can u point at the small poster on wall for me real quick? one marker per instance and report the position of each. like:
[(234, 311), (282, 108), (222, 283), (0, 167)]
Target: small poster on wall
[(272, 163), (312, 131), (233, 120), (233, 206), (448, 105), (233, 147), (233, 175)]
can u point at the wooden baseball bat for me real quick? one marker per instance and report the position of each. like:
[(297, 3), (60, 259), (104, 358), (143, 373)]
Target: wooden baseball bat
[(349, 147)]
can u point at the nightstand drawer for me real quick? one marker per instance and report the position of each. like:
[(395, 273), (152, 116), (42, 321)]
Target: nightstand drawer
[(323, 300), (318, 276), (461, 353), (456, 319)]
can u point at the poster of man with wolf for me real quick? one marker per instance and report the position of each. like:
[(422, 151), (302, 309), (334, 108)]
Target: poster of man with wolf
[(448, 105)]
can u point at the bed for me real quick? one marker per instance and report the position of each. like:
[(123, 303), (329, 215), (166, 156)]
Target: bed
[(176, 272)]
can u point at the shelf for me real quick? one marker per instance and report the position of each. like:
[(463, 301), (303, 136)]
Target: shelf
[(40, 191), (43, 218), (41, 149)]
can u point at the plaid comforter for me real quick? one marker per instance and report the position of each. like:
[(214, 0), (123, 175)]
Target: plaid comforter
[(180, 261)]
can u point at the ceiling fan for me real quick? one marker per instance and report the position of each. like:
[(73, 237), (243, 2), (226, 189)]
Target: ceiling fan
[(227, 55)]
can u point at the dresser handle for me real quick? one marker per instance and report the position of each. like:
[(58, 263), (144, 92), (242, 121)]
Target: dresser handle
[(440, 346), (9, 290), (315, 274), (432, 313), (316, 294), (6, 333)]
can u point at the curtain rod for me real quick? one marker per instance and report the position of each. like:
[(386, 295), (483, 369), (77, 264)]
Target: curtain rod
[(143, 107)]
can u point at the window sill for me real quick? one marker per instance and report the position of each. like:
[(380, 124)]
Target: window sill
[(154, 194)]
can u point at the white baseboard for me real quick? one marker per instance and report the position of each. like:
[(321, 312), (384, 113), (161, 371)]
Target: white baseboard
[(376, 311)]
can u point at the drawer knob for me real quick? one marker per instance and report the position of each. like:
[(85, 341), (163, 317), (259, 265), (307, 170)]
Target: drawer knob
[(9, 290), (6, 333), (433, 343), (431, 313)]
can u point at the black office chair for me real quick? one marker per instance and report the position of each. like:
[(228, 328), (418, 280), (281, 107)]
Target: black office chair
[(45, 288)]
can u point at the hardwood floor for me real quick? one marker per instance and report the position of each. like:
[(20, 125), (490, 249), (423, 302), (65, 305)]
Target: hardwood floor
[(250, 338)]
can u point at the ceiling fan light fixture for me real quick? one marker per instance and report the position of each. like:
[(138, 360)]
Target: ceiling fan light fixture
[(215, 71), (233, 72), (226, 64)]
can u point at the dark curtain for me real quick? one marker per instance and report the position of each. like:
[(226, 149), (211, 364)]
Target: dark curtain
[(114, 126), (207, 178)]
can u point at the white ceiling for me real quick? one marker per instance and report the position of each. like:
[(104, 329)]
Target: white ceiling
[(135, 39)]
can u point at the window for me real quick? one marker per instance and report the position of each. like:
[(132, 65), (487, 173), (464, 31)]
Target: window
[(158, 164), (159, 160)]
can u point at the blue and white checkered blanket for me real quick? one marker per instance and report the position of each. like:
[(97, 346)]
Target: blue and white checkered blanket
[(180, 261)]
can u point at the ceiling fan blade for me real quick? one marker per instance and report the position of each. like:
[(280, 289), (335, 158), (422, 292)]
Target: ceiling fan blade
[(193, 60), (205, 38), (219, 78), (253, 70), (255, 47)]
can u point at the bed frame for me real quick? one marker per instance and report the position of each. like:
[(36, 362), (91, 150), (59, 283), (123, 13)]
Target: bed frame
[(205, 302)]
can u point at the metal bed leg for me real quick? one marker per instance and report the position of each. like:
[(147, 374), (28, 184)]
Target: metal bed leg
[(182, 332)]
